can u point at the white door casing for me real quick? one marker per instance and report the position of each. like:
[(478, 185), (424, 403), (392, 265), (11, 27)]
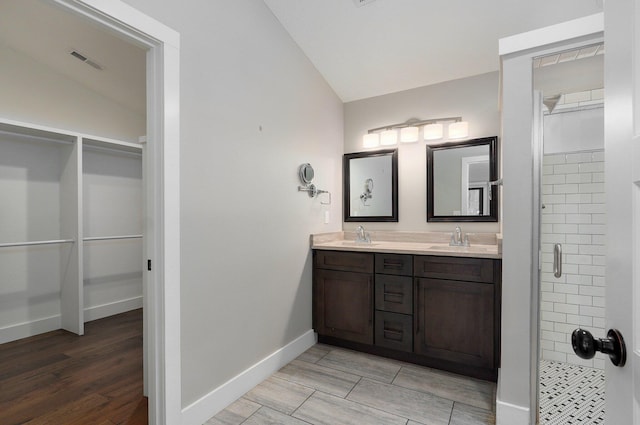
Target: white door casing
[(162, 195), (622, 207), (517, 386)]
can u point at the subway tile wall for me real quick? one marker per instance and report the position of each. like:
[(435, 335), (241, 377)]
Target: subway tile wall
[(574, 216)]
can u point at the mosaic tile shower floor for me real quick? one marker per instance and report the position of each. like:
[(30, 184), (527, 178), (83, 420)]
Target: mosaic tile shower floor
[(571, 394)]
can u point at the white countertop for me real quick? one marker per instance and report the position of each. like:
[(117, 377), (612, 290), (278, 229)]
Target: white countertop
[(417, 243)]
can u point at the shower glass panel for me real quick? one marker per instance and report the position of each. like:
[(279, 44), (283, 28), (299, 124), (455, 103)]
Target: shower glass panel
[(572, 230)]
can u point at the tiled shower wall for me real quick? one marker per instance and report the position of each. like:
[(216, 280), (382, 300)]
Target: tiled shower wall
[(574, 216)]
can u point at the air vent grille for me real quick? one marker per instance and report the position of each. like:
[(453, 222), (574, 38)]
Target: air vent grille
[(85, 59)]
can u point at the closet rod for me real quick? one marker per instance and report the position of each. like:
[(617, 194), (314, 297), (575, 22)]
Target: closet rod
[(108, 238), (51, 242)]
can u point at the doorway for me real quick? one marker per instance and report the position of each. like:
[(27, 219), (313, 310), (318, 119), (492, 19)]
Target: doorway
[(572, 232), (161, 194)]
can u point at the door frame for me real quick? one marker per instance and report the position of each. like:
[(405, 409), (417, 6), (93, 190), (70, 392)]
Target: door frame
[(517, 403), (161, 193)]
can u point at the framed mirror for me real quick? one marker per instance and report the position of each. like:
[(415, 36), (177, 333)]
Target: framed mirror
[(370, 182), (459, 180)]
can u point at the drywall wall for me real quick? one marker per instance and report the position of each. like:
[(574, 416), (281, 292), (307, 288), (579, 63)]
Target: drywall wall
[(475, 99), (253, 108), (34, 93)]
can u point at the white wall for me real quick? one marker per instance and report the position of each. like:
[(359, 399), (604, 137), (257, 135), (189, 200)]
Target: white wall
[(474, 98), (32, 92), (31, 210), (112, 205), (253, 109)]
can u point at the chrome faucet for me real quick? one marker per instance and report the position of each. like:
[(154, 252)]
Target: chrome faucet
[(457, 238), (362, 236)]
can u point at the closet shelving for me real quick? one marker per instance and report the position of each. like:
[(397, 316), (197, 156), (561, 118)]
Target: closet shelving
[(71, 229)]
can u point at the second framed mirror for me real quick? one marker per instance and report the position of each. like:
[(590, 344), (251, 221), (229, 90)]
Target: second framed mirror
[(461, 180)]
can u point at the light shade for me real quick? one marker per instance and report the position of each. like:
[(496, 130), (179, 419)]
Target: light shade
[(432, 131), (409, 134), (458, 130), (389, 137), (371, 140)]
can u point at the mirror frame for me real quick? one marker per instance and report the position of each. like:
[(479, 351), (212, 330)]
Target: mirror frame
[(346, 177), (492, 142)]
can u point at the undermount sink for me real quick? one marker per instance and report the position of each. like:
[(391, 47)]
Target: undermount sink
[(456, 248), (354, 243)]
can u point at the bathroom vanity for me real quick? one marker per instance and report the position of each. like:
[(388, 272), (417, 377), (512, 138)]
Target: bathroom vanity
[(415, 299)]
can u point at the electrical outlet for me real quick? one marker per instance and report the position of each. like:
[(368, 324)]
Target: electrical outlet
[(360, 3), (327, 217)]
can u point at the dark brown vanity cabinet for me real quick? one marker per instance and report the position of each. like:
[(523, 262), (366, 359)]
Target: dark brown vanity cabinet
[(343, 295), (455, 310), (438, 311), (394, 301)]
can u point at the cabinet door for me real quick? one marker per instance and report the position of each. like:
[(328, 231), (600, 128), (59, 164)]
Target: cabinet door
[(343, 305), (454, 321)]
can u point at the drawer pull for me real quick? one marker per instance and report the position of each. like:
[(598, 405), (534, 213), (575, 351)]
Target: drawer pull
[(391, 264), (394, 335), (395, 295)]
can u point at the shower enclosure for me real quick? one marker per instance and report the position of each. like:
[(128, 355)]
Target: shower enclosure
[(572, 242)]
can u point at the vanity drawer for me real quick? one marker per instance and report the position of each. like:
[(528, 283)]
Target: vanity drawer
[(361, 262), (394, 293), (454, 268), (398, 264), (394, 330)]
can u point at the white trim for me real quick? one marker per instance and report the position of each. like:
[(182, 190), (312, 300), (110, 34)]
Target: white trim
[(111, 309), (510, 414), (162, 194), (548, 40), (27, 329), (580, 27), (201, 410)]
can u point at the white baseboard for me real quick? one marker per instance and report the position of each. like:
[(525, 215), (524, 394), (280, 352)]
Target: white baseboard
[(27, 329), (511, 414), (110, 309), (200, 411)]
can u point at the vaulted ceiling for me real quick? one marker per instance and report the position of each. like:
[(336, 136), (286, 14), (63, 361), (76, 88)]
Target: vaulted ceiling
[(386, 46), (363, 48)]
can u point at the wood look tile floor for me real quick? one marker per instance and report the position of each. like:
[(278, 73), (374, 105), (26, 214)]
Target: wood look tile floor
[(328, 385)]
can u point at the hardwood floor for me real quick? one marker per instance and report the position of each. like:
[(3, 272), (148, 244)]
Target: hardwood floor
[(328, 385), (62, 378)]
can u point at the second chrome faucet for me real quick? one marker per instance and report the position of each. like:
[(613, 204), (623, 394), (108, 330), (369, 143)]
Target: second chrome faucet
[(458, 238)]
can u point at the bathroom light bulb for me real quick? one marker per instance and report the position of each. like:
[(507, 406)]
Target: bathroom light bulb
[(389, 137), (458, 130), (371, 140), (432, 131), (409, 134)]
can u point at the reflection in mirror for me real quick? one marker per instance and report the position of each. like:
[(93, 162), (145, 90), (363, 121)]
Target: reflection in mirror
[(371, 186), (459, 177)]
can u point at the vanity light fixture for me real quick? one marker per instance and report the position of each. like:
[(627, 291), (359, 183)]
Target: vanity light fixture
[(409, 134), (458, 130), (432, 129), (389, 137), (371, 140)]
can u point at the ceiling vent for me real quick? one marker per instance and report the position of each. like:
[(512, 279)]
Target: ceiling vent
[(85, 59), (360, 3)]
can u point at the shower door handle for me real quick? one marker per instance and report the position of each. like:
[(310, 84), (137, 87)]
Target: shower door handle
[(585, 345), (557, 260)]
